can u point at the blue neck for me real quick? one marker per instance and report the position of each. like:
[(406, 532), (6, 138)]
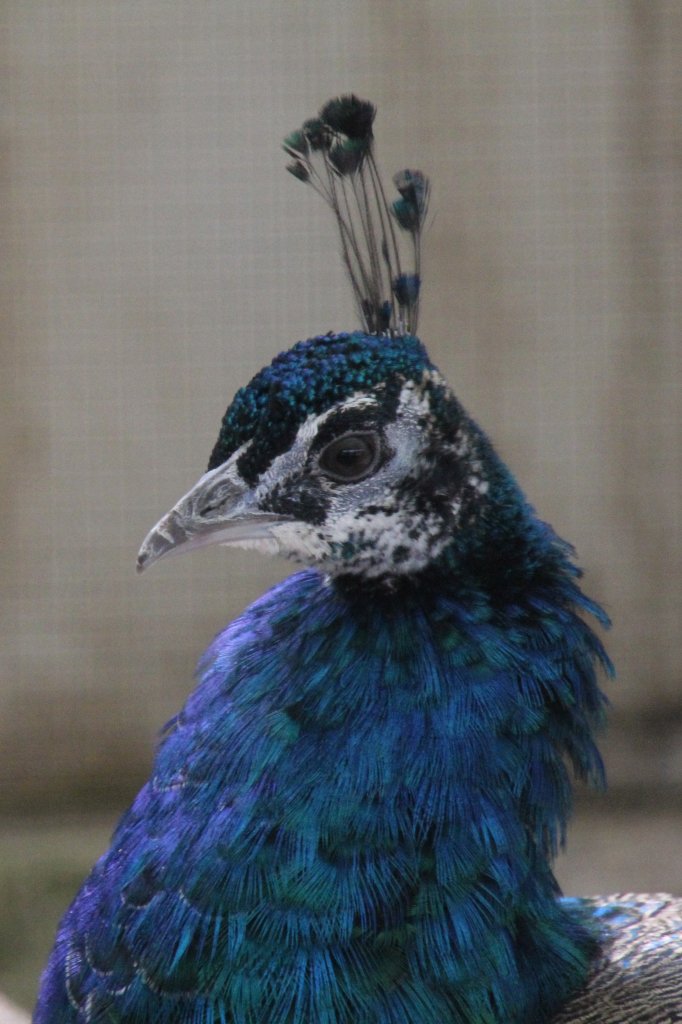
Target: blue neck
[(401, 773)]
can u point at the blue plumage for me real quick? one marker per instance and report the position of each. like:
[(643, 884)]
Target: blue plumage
[(352, 820), (344, 836)]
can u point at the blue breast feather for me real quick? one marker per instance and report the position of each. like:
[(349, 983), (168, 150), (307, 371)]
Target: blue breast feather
[(351, 820)]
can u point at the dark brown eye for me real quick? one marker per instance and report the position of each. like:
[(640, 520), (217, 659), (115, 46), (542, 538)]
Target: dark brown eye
[(350, 458)]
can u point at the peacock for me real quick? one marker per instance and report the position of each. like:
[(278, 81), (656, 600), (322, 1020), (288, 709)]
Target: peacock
[(353, 818)]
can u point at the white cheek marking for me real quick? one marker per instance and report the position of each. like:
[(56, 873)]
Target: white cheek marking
[(461, 444), (302, 542), (374, 539), (478, 485), (413, 401), (264, 545)]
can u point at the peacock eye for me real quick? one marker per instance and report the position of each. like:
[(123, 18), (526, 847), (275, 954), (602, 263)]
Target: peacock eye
[(350, 458)]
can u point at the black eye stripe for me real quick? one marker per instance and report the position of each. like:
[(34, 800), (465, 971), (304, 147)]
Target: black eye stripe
[(361, 421)]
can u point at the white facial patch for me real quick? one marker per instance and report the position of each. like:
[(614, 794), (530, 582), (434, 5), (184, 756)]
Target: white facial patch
[(397, 520), (378, 525)]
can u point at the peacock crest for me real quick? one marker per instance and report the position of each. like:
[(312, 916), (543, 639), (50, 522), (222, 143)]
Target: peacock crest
[(334, 153)]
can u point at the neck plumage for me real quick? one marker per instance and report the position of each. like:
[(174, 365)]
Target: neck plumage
[(408, 758)]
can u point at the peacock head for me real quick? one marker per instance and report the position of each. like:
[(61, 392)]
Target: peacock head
[(349, 453)]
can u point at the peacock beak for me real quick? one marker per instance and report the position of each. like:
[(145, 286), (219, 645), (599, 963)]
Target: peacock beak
[(219, 509)]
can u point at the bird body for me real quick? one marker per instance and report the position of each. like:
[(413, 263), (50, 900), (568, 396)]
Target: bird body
[(353, 818), (637, 976)]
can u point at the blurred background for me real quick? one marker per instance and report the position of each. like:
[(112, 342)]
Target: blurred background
[(156, 255)]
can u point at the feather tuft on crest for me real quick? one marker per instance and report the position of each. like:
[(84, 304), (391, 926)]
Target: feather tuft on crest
[(334, 153), (349, 116)]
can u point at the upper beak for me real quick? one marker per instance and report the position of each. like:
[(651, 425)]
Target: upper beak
[(219, 509)]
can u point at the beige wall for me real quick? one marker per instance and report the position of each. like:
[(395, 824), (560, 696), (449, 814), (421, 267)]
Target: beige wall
[(156, 254)]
